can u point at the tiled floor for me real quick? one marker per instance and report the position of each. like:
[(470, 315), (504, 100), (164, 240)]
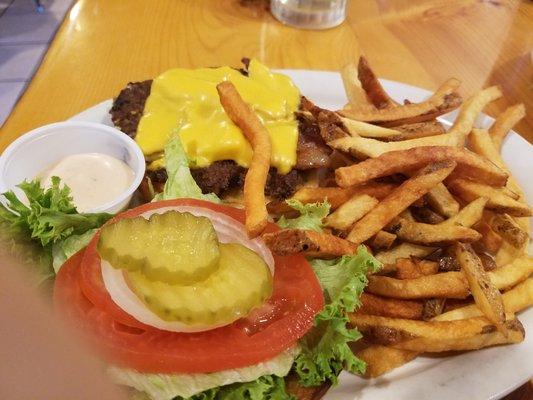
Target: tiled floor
[(24, 37)]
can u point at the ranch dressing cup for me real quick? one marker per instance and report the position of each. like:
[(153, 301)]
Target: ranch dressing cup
[(309, 14)]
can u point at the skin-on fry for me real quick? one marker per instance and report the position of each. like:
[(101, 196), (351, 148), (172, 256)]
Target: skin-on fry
[(442, 101), (481, 143), (382, 359), (469, 165), (313, 244), (490, 241), (403, 250), (382, 240), (498, 201), (402, 132), (393, 308), (363, 147), (443, 233), (487, 297), (401, 198), (336, 196), (353, 210), (511, 274), (505, 122), (436, 336), (470, 214), (447, 284), (411, 268), (508, 229), (442, 201), (515, 300), (371, 85), (256, 176), (356, 95)]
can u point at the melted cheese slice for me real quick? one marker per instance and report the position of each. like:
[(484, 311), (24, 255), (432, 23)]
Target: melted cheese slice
[(186, 102)]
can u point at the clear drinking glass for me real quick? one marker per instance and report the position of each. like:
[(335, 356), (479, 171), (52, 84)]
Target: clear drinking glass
[(309, 14)]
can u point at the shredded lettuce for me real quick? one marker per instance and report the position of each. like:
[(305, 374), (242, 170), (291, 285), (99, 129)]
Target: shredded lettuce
[(257, 381), (311, 216), (180, 183), (49, 219), (325, 350)]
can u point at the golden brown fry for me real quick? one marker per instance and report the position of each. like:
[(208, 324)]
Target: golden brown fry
[(419, 129), (401, 198), (403, 250), (442, 101), (515, 300), (498, 201), (511, 274), (393, 308), (490, 241), (508, 229), (427, 267), (487, 297), (470, 214), (356, 95), (442, 201), (371, 85), (256, 176), (335, 195), (406, 268), (446, 284), (353, 210), (505, 122), (436, 336), (363, 147), (382, 240), (311, 243), (381, 359), (481, 143), (402, 132), (443, 233), (469, 165)]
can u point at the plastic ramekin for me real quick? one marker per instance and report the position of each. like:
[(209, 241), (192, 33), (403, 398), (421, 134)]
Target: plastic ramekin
[(33, 152)]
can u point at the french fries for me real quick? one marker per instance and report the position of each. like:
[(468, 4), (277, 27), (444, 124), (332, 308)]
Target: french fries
[(256, 176), (443, 233), (353, 210), (446, 285), (469, 165), (404, 250), (334, 195), (371, 85), (436, 336), (457, 226), (311, 243), (497, 199), (401, 198), (487, 297), (394, 308), (505, 122), (444, 100), (507, 228)]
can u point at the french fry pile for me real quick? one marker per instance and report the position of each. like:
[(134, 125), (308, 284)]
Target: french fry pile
[(438, 208)]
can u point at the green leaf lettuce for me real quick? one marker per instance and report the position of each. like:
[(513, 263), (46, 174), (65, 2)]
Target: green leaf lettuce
[(311, 216)]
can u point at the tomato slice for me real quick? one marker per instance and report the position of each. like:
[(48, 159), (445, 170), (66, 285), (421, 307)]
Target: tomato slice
[(287, 315)]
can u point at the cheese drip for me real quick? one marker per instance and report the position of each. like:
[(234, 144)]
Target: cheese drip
[(186, 102)]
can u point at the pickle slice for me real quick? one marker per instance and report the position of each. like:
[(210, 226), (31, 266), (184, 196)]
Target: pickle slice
[(241, 283), (173, 247)]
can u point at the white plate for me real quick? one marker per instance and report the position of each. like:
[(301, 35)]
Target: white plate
[(485, 374)]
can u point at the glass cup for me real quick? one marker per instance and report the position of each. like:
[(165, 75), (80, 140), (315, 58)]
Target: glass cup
[(309, 14)]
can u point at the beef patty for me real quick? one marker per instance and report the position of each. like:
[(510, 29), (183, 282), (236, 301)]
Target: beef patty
[(221, 176)]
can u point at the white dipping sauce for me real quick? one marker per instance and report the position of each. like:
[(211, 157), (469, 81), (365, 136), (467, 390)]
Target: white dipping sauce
[(93, 178)]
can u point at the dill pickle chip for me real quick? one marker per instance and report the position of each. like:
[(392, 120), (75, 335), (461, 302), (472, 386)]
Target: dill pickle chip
[(173, 247), (242, 282)]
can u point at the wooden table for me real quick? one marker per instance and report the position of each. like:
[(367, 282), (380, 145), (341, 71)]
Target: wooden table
[(103, 44)]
